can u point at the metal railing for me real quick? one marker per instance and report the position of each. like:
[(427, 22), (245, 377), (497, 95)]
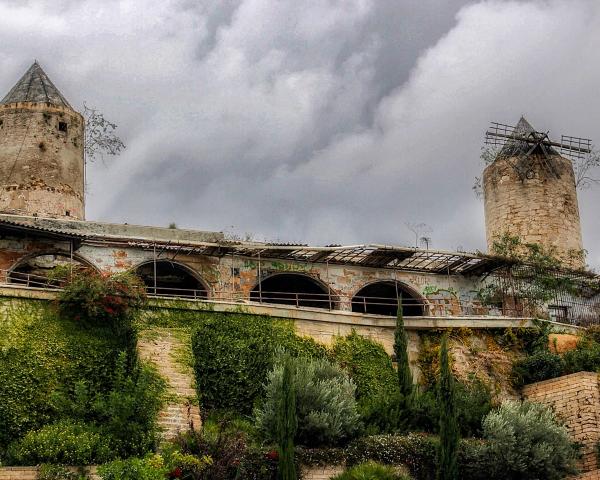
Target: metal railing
[(386, 306)]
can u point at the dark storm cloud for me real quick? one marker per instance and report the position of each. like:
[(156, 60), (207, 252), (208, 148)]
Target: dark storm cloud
[(319, 121)]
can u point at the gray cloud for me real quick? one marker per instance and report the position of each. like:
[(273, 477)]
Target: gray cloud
[(316, 121)]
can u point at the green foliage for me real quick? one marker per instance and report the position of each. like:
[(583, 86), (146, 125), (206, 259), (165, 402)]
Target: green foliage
[(58, 472), (233, 354), (65, 442), (542, 365), (325, 403), (447, 468), (42, 353), (525, 442), (584, 358), (367, 363), (149, 468), (371, 471), (96, 299), (418, 453), (231, 456), (405, 381), (286, 422)]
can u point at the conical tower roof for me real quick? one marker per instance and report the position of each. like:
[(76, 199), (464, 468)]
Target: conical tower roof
[(36, 87), (517, 147)]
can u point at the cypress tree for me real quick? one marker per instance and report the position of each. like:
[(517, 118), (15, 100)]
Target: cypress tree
[(287, 423), (447, 466), (401, 350)]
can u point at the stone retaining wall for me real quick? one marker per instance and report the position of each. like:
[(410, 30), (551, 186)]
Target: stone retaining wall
[(576, 400), (321, 472)]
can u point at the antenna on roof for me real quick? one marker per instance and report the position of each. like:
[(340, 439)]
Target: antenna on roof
[(527, 146)]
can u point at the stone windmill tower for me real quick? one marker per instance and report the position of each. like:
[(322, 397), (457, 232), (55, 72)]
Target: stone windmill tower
[(530, 191), (41, 150)]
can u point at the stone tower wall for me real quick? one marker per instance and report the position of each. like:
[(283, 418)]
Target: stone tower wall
[(41, 166), (540, 209)]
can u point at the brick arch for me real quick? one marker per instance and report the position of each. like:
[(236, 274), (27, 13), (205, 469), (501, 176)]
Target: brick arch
[(24, 271), (379, 298), (173, 279), (294, 288)]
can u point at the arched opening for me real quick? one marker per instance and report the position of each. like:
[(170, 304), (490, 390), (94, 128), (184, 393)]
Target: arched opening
[(171, 279), (381, 298), (292, 289), (47, 269)]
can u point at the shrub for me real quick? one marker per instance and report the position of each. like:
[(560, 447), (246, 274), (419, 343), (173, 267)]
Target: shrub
[(541, 365), (286, 422), (234, 353), (41, 352), (65, 442), (231, 457), (585, 358), (391, 414), (368, 364), (447, 468), (149, 468), (58, 472), (128, 413), (415, 451), (371, 471), (526, 442), (418, 453), (325, 404), (97, 299)]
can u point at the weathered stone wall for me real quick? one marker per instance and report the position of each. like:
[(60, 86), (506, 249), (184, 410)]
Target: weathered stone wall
[(230, 278), (41, 166), (324, 472), (576, 400), (539, 209)]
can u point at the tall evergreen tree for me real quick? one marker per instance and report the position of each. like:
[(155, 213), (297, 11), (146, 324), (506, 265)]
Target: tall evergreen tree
[(287, 423), (401, 350), (447, 466)]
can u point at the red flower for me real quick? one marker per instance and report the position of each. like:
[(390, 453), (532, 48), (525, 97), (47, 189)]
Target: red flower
[(176, 473), (272, 455)]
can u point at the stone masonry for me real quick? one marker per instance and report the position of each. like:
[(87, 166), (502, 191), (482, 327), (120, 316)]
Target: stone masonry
[(41, 150), (162, 348), (576, 400), (539, 209)]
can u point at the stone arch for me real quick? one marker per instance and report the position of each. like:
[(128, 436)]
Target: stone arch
[(292, 288), (172, 279), (38, 269), (380, 298)]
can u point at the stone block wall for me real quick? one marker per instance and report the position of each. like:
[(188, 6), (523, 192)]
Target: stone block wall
[(541, 208), (321, 472), (576, 400)]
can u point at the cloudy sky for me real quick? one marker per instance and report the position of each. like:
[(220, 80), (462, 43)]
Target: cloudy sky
[(319, 121)]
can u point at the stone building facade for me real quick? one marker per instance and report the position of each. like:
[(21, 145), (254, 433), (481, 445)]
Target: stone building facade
[(535, 198), (41, 150)]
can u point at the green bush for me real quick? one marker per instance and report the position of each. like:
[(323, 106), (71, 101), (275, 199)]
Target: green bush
[(541, 365), (149, 468), (368, 364), (391, 414), (418, 453), (325, 403), (525, 442), (233, 354), (42, 353), (231, 458), (371, 471), (65, 442), (58, 472), (584, 358)]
